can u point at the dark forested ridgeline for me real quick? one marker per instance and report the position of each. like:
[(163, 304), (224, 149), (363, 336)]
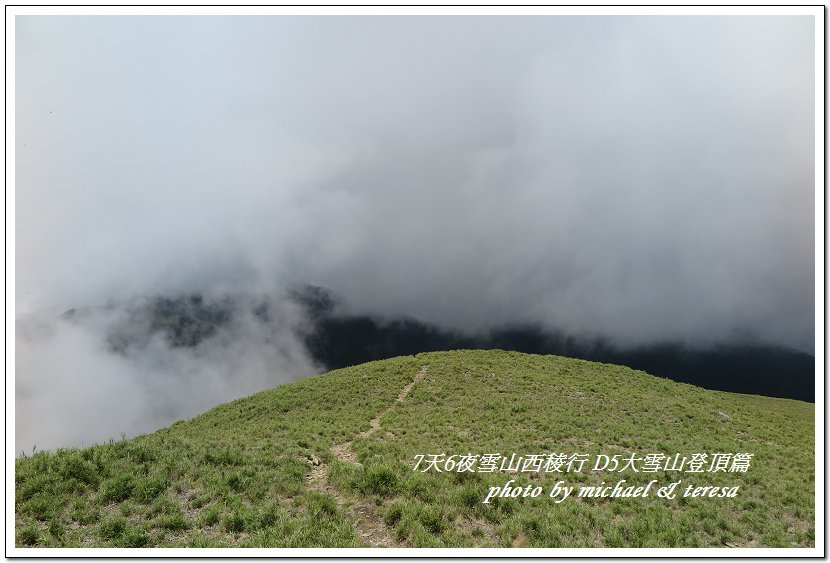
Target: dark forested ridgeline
[(756, 369), (343, 340), (336, 340)]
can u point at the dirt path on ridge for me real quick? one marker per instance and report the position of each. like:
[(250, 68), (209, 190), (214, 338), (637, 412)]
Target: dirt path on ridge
[(368, 523)]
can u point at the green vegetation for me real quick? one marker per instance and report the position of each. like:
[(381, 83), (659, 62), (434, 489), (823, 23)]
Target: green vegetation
[(327, 462)]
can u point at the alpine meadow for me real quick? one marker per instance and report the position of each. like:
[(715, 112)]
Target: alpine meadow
[(329, 461)]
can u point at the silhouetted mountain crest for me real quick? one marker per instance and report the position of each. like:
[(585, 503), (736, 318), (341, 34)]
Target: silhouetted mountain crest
[(338, 341), (334, 340)]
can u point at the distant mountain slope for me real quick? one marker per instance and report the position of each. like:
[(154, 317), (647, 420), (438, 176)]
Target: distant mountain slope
[(335, 339), (328, 461), (338, 340)]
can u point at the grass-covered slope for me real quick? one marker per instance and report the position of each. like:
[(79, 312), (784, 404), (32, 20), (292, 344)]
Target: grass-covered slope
[(327, 461)]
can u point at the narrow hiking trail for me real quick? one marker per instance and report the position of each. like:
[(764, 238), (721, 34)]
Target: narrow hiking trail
[(369, 524)]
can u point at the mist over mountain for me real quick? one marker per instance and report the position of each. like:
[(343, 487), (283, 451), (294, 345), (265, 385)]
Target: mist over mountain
[(635, 189), (91, 373), (333, 339), (631, 178)]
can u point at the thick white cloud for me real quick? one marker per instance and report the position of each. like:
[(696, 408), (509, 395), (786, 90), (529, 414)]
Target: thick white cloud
[(636, 177)]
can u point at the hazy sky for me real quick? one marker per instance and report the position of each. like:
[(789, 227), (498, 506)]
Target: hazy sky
[(639, 178)]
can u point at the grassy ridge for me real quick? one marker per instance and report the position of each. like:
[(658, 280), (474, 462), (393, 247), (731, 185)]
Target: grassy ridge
[(302, 465)]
